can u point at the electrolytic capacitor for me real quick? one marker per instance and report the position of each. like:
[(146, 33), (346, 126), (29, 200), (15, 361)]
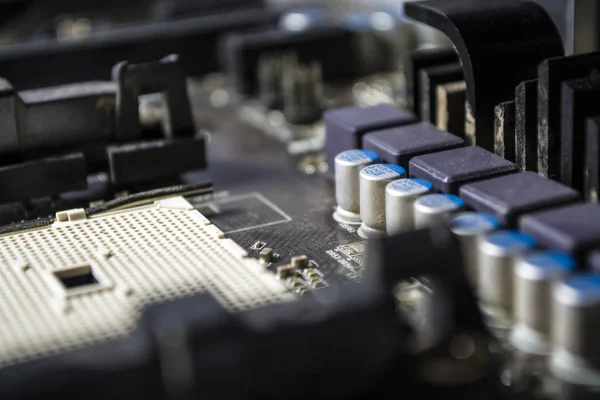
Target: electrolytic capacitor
[(498, 253), (400, 196), (576, 330), (435, 208), (471, 228), (373, 180), (535, 277), (347, 183)]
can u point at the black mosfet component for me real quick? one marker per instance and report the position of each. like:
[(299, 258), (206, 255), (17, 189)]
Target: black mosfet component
[(574, 228), (399, 145), (449, 170), (346, 126), (508, 197)]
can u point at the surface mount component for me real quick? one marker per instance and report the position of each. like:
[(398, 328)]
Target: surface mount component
[(520, 32), (511, 196), (346, 126), (435, 209), (576, 355), (348, 165), (535, 277), (498, 253), (400, 197), (373, 181), (449, 170), (84, 279), (471, 228), (572, 228), (400, 144)]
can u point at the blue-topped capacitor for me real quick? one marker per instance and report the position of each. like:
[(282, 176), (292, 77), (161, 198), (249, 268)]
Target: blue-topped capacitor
[(498, 254), (373, 180), (435, 208), (471, 228), (400, 196), (535, 277), (576, 330), (347, 183)]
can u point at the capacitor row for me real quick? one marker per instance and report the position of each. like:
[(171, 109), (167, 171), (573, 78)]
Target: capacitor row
[(534, 294), (381, 199)]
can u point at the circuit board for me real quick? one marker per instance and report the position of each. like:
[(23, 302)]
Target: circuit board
[(304, 202)]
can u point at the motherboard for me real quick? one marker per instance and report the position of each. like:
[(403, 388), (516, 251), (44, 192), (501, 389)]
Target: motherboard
[(285, 199)]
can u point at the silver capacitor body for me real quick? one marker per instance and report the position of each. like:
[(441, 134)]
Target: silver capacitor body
[(498, 254), (373, 181), (535, 277), (471, 228), (348, 165), (576, 330), (400, 196), (436, 208)]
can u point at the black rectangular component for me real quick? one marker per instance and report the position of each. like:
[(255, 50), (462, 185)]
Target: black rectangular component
[(508, 197), (41, 178), (449, 170), (504, 130), (417, 60), (336, 48), (526, 125), (146, 161), (429, 79), (580, 99), (592, 159), (552, 73), (399, 145), (26, 65), (573, 228), (346, 126)]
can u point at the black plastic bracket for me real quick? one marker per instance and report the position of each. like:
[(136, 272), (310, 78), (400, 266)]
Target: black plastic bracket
[(165, 76), (156, 159), (41, 178), (500, 44)]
